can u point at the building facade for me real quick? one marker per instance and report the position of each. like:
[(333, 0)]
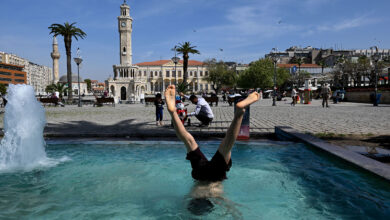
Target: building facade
[(36, 75), (75, 85), (39, 77), (12, 74), (130, 82), (330, 56)]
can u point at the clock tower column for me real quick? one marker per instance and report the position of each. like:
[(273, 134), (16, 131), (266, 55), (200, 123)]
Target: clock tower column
[(125, 27)]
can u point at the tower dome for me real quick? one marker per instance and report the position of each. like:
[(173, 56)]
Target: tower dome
[(64, 79)]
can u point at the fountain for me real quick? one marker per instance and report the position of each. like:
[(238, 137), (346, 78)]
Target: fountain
[(23, 146)]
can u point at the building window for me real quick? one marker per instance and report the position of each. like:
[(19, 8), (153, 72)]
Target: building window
[(18, 80), (201, 86), (173, 73), (155, 74), (144, 73), (201, 73), (5, 73), (195, 73), (207, 86), (191, 73), (206, 73), (19, 74), (6, 79), (140, 73), (151, 74), (160, 73), (167, 74), (179, 73)]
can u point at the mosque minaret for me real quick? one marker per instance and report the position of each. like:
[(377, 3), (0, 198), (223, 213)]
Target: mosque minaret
[(55, 55)]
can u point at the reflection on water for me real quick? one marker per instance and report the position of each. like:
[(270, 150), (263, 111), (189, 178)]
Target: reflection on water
[(205, 194)]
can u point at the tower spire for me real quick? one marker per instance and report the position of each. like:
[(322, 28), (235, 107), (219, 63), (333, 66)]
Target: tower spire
[(55, 55)]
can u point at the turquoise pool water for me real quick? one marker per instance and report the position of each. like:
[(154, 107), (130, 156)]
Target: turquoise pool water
[(152, 180)]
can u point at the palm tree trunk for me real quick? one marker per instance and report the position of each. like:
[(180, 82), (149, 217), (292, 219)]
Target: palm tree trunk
[(185, 67), (68, 47)]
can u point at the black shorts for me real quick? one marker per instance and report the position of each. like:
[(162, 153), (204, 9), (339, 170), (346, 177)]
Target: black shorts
[(205, 170)]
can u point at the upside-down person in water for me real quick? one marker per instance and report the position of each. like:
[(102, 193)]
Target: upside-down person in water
[(204, 170), (208, 173)]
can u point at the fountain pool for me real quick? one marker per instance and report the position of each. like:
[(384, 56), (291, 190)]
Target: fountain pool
[(152, 180)]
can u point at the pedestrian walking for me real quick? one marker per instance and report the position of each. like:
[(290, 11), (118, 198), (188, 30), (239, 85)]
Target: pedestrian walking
[(294, 97), (325, 92)]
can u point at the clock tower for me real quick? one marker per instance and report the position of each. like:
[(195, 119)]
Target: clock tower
[(125, 27)]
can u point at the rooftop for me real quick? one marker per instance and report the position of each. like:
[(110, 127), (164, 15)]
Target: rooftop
[(162, 62), (302, 65)]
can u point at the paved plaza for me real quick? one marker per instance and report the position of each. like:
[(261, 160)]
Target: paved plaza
[(136, 120)]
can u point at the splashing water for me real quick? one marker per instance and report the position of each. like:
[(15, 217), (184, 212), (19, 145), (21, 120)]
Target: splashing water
[(22, 147)]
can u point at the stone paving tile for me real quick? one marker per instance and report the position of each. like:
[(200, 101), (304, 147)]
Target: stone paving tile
[(344, 118)]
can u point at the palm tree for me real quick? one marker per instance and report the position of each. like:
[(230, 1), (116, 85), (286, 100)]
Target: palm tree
[(59, 87), (299, 61), (68, 31), (323, 65), (185, 49)]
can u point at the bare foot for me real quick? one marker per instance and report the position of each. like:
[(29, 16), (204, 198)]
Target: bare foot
[(252, 98), (170, 98)]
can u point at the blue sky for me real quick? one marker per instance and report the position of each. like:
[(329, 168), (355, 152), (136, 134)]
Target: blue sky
[(244, 29)]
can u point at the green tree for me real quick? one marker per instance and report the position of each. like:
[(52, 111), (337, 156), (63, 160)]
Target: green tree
[(89, 84), (260, 74), (3, 89), (220, 75), (68, 31), (185, 49), (182, 87), (59, 87)]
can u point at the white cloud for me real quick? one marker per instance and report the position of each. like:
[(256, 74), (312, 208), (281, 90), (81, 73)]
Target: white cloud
[(348, 24)]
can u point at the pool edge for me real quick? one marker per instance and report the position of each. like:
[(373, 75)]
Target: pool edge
[(373, 166)]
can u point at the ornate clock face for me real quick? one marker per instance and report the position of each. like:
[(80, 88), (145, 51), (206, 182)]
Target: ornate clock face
[(123, 24)]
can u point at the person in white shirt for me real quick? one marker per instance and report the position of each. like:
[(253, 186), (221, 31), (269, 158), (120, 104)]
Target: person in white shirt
[(294, 97), (202, 111)]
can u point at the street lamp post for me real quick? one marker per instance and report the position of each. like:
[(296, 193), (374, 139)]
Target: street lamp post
[(275, 59), (78, 61), (376, 58), (175, 60)]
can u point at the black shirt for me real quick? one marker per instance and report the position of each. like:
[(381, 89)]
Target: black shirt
[(159, 104)]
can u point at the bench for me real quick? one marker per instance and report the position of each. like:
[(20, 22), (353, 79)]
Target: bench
[(45, 101), (101, 101), (149, 100), (212, 99)]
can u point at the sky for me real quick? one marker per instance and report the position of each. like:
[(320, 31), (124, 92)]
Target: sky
[(245, 30)]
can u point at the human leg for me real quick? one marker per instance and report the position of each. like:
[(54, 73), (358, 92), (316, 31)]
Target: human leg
[(181, 132), (231, 135), (203, 119), (326, 100), (161, 116)]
